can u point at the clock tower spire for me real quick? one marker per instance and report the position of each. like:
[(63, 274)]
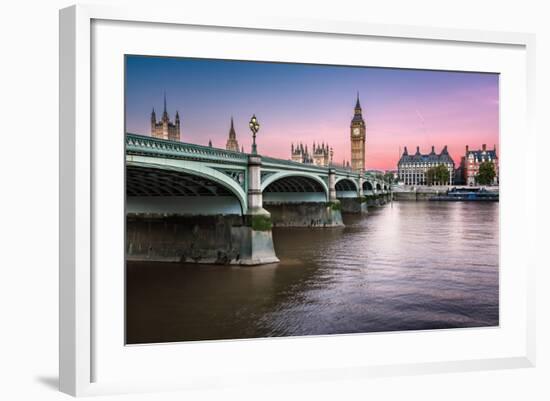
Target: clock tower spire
[(358, 137)]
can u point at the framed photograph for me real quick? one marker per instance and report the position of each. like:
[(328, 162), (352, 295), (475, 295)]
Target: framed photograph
[(280, 200)]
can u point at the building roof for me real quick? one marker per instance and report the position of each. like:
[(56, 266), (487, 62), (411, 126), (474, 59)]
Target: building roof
[(431, 157), (357, 115), (482, 154)]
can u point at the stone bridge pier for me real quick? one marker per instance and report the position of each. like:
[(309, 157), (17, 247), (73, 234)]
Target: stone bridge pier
[(349, 193), (257, 240)]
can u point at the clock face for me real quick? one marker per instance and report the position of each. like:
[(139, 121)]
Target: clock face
[(356, 131)]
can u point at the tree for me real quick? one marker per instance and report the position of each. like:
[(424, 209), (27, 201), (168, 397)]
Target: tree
[(486, 173), (388, 177), (437, 175)]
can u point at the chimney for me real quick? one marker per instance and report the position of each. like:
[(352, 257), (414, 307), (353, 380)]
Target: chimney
[(484, 147), (433, 149), (467, 149)]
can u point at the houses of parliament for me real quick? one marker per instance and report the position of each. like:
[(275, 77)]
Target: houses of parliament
[(165, 129), (321, 154)]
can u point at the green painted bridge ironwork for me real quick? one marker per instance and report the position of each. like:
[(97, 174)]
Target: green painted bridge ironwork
[(162, 168)]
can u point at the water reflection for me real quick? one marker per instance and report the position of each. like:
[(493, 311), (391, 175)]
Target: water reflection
[(405, 266)]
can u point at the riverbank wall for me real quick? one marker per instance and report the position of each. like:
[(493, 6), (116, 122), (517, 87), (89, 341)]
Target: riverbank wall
[(424, 193), (413, 196)]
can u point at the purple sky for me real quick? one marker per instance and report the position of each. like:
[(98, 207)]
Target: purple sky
[(307, 103)]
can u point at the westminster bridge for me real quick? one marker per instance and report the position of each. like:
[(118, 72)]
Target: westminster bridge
[(199, 204)]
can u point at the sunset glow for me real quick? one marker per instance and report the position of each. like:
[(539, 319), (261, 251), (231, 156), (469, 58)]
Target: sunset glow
[(314, 103)]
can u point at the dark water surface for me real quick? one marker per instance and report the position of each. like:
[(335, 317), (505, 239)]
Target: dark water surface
[(410, 265)]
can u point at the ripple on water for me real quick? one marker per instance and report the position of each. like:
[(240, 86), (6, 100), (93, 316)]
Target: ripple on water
[(406, 266)]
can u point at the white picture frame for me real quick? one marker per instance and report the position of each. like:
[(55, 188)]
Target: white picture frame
[(80, 314)]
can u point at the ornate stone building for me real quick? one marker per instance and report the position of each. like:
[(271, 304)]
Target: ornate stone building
[(358, 138), (232, 143), (300, 154), (165, 129), (320, 155), (473, 158), (411, 169)]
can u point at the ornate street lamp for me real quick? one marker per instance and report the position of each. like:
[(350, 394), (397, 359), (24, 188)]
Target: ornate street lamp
[(254, 127), (331, 154)]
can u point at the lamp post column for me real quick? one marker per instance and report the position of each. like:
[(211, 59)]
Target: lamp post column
[(257, 245), (254, 127)]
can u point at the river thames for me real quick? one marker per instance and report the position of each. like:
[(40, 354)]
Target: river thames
[(403, 266)]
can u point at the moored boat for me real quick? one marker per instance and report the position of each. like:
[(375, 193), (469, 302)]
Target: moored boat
[(468, 195)]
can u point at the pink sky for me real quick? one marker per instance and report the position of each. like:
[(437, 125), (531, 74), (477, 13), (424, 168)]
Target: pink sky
[(307, 103)]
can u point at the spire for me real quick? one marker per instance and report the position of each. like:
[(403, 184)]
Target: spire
[(165, 112), (232, 130), (210, 142), (153, 116), (405, 152), (358, 114)]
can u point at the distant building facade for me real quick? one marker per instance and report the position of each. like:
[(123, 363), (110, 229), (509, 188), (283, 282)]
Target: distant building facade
[(164, 128), (472, 159), (459, 174), (232, 143), (412, 168), (320, 155), (300, 154)]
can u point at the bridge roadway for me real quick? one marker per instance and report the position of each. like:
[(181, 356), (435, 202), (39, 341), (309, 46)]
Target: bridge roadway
[(192, 203)]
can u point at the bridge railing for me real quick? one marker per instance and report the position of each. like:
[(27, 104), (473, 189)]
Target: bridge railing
[(141, 144), (272, 161), (146, 145)]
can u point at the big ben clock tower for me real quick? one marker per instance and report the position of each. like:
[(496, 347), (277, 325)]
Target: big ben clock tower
[(358, 137)]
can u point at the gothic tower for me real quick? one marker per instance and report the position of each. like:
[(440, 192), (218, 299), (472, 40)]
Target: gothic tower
[(358, 137), (232, 143), (165, 129)]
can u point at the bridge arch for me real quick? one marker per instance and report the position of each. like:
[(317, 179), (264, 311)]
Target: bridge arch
[(294, 186), (378, 186), (168, 183), (346, 187), (367, 186), (346, 184)]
